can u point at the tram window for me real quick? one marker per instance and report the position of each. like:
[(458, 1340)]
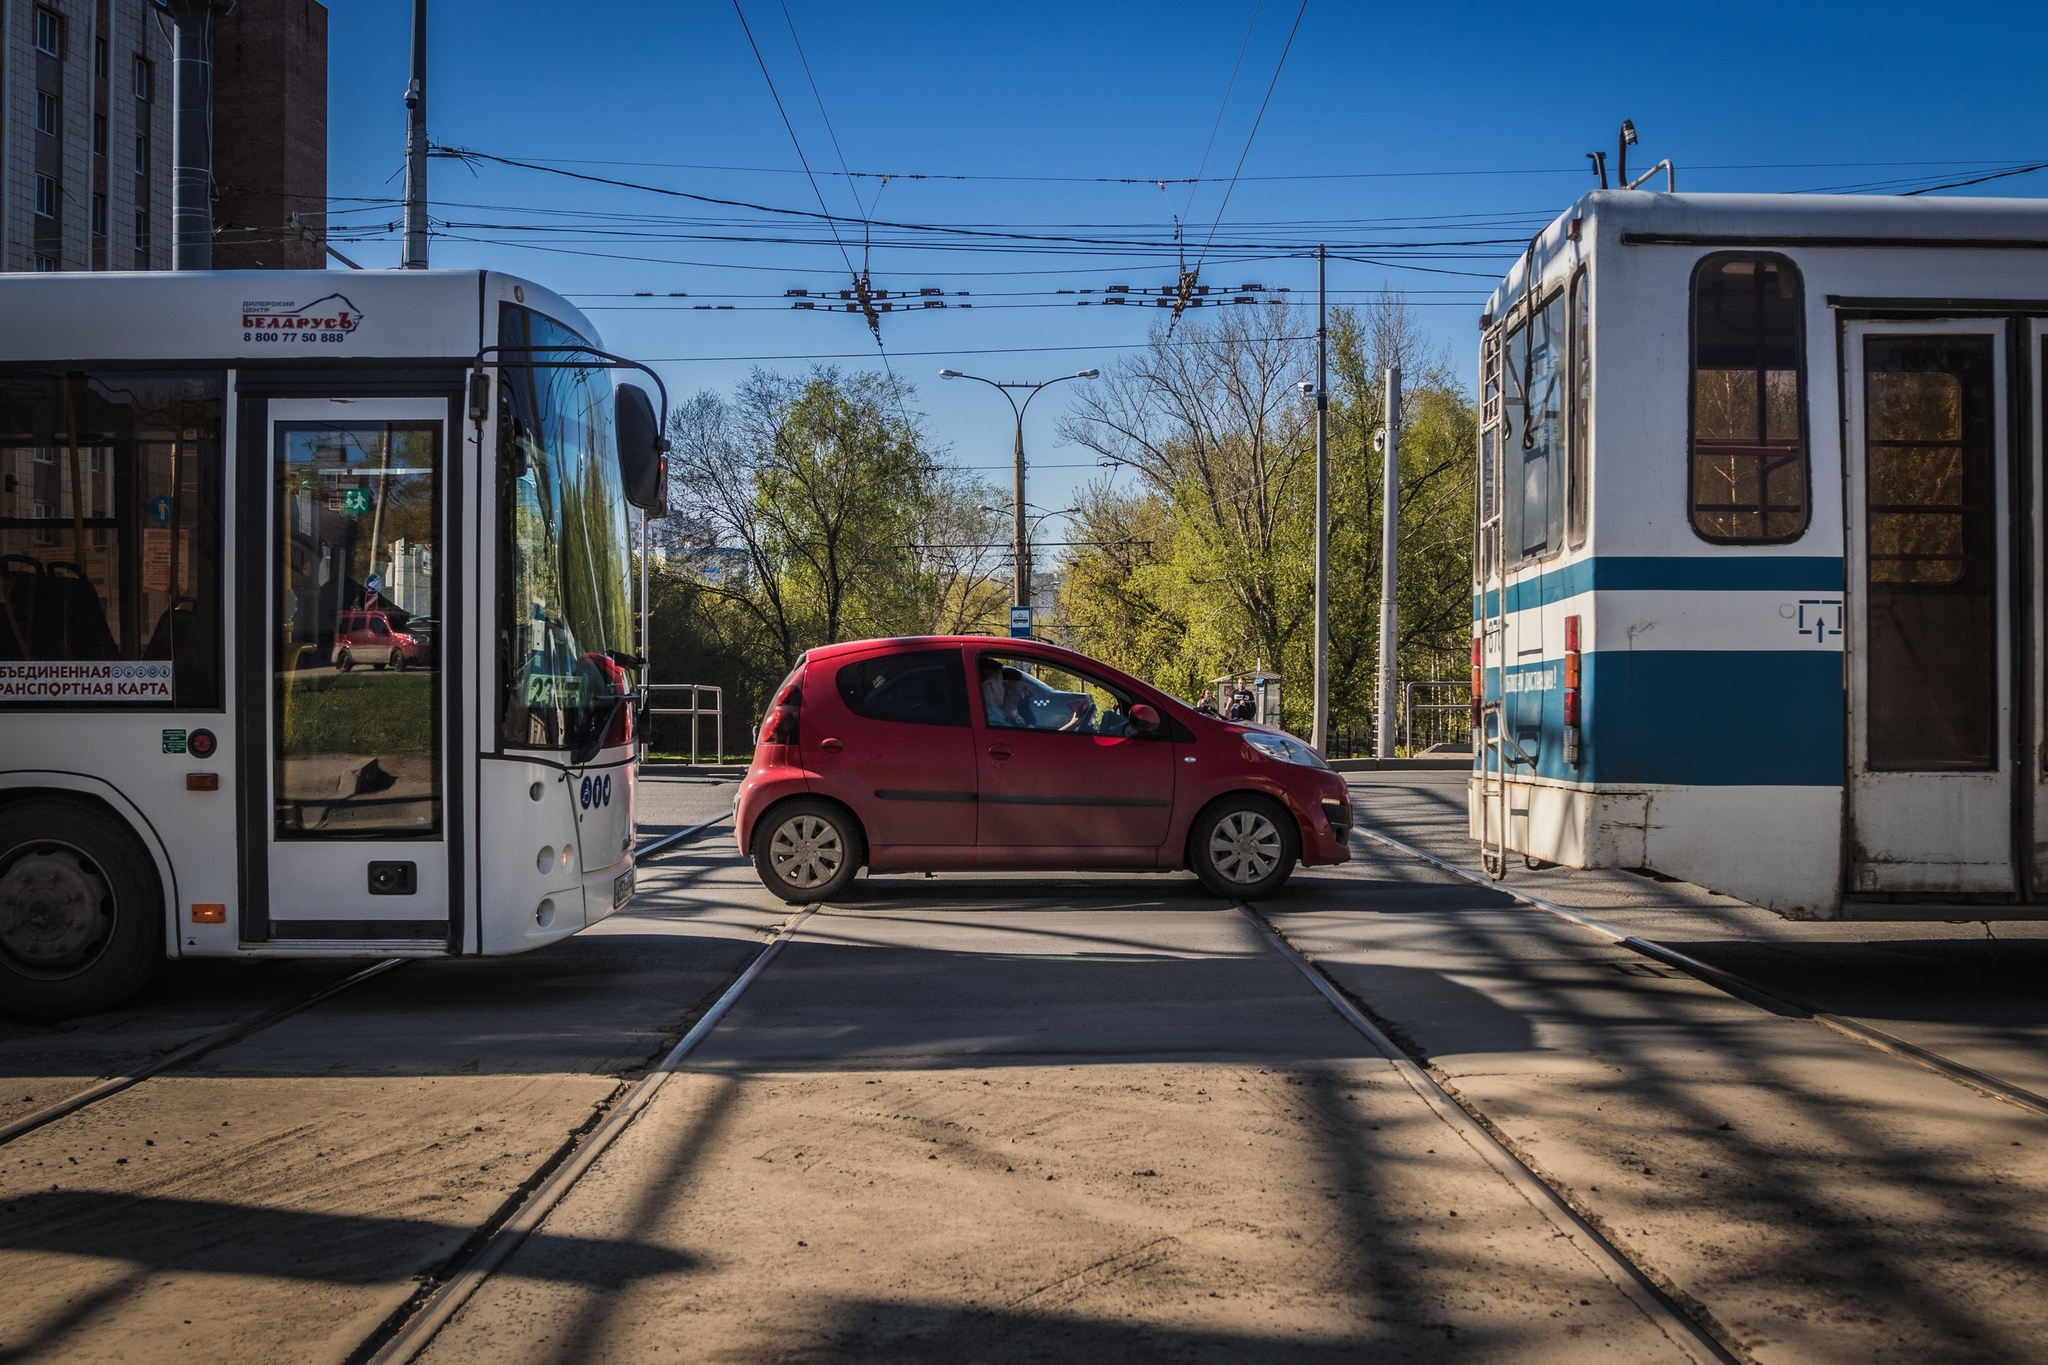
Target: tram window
[(1581, 447), (1749, 468), (110, 538), (1932, 551), (1532, 435), (562, 604)]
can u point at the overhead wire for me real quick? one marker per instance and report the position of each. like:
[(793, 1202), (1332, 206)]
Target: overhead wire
[(1231, 188)]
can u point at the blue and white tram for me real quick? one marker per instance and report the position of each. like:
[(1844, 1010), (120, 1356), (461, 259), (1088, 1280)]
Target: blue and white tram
[(1759, 584)]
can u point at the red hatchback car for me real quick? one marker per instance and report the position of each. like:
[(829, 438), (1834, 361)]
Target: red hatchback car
[(970, 752)]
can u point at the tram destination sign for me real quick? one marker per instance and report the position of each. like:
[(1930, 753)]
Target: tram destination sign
[(112, 680)]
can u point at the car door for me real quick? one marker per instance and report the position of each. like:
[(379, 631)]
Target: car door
[(888, 734), (1065, 778)]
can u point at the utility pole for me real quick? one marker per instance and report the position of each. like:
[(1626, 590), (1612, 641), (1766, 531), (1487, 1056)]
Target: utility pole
[(416, 145), (1319, 723), (192, 131), (1390, 548), (1020, 609)]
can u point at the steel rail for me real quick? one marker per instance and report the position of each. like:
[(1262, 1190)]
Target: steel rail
[(1613, 1264), (668, 841), (436, 1310), (192, 1051), (1743, 988)]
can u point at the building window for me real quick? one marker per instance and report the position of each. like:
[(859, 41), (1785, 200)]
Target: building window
[(1749, 468), (142, 230), (142, 154), (46, 113), (99, 58), (145, 80), (99, 215), (49, 32), (46, 196), (46, 263), (99, 134)]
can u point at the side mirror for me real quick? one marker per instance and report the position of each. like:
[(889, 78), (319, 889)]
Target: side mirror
[(1145, 716), (643, 452)]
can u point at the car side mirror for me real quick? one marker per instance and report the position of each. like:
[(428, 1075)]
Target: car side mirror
[(1145, 717), (643, 452)]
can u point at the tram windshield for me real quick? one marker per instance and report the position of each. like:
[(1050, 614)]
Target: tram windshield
[(562, 537)]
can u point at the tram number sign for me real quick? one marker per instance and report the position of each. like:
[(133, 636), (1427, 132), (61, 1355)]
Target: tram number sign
[(597, 790)]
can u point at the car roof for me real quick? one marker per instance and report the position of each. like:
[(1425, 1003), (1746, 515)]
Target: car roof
[(845, 647)]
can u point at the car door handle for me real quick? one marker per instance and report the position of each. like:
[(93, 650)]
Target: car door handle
[(831, 746), (998, 751)]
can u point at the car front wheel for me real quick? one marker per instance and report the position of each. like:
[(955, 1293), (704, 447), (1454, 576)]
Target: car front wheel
[(807, 851), (1244, 847)]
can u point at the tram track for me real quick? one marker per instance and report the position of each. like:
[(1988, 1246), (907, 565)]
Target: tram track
[(192, 1051), (410, 1331), (412, 1328), (109, 1086), (1740, 987)]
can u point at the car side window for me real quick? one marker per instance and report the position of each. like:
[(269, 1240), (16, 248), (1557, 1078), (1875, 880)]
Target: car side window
[(377, 626), (1022, 693), (920, 687)]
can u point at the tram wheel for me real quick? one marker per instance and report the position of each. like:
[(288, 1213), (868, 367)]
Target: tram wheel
[(808, 850), (1244, 847), (81, 914)]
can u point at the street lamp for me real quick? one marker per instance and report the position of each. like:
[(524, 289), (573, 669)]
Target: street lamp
[(1022, 595)]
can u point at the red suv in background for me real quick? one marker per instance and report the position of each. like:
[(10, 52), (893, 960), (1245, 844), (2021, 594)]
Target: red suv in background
[(970, 752)]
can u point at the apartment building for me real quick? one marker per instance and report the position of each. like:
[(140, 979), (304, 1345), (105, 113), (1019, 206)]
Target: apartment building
[(85, 134)]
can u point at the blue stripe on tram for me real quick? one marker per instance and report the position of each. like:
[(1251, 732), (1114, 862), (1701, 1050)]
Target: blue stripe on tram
[(1763, 718), (1673, 573)]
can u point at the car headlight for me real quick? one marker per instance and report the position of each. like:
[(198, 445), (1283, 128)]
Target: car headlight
[(1286, 748)]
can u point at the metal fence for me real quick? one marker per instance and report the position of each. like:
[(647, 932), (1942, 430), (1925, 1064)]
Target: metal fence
[(1442, 714), (694, 713), (1433, 712)]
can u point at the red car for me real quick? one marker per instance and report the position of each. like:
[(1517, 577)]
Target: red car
[(970, 752), (369, 637)]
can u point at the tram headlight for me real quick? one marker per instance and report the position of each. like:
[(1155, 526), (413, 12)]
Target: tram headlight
[(544, 861)]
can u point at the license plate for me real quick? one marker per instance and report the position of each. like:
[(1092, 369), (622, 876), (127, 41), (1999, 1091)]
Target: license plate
[(622, 890)]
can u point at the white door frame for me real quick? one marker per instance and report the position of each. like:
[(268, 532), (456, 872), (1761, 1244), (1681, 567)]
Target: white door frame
[(1925, 833)]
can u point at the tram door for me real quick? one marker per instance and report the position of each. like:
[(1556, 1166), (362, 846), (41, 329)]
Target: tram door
[(1931, 783), (354, 830)]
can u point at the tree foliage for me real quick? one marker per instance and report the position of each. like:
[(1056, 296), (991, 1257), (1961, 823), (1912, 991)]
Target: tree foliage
[(806, 510), (1202, 565)]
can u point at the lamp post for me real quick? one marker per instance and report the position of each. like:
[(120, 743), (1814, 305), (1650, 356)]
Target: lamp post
[(1022, 595)]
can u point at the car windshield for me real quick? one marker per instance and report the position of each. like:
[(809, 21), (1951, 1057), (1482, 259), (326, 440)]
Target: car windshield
[(562, 535)]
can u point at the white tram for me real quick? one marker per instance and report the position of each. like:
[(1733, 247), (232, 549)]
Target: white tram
[(315, 620), (1760, 583)]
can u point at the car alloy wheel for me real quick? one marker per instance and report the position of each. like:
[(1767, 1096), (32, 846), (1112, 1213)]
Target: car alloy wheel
[(1245, 847), (806, 851)]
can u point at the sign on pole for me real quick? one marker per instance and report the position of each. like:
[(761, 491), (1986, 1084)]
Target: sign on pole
[(1020, 623)]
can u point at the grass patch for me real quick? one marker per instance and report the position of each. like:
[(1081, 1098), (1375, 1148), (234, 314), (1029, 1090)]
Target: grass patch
[(359, 713)]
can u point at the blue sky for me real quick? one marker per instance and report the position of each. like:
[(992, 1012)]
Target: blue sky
[(1448, 122)]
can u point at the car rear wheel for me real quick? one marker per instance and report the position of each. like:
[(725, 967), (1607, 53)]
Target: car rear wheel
[(1244, 847), (807, 851), (81, 916)]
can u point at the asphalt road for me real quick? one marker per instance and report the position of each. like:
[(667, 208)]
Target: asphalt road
[(1052, 1118)]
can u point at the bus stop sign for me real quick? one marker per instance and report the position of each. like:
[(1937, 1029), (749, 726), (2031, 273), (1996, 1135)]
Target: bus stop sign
[(1020, 623)]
